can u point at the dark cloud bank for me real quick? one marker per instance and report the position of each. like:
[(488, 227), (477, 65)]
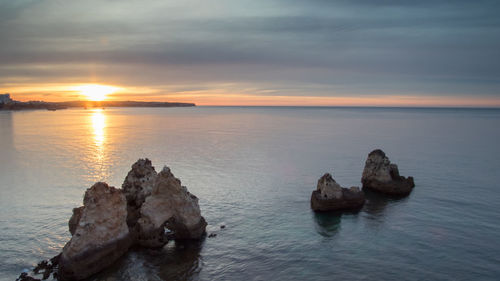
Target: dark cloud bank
[(316, 48)]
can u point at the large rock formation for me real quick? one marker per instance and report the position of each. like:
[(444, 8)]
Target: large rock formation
[(150, 209), (101, 234), (330, 196), (382, 176), (170, 211)]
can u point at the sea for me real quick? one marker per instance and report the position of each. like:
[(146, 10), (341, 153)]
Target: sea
[(253, 170)]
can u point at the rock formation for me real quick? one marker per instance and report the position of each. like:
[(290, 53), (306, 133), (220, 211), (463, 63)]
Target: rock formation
[(101, 234), (137, 186), (170, 209), (330, 196), (382, 176), (150, 209)]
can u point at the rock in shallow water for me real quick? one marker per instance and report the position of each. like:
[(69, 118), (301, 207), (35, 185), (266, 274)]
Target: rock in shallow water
[(150, 209), (382, 176), (330, 196), (101, 235)]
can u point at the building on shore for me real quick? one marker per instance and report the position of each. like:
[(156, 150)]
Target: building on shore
[(5, 98)]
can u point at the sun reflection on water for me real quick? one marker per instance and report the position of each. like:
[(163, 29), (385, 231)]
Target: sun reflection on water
[(97, 158), (98, 126)]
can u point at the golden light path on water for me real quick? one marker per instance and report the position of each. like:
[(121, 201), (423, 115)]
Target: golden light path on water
[(98, 126)]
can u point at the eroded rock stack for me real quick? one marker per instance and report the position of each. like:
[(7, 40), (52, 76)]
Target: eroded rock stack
[(170, 209), (137, 186), (382, 176), (330, 196), (100, 233), (150, 209)]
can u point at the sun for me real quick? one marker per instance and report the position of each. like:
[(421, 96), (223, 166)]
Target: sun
[(94, 92)]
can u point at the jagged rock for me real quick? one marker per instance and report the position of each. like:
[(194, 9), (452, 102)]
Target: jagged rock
[(150, 210), (101, 235), (330, 196), (382, 176), (25, 277), (137, 186), (75, 218), (170, 207)]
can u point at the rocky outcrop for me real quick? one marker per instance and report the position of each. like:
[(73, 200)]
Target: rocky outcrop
[(137, 186), (150, 210), (170, 211), (330, 196), (382, 176), (101, 234)]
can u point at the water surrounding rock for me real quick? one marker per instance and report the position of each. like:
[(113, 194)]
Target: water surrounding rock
[(382, 176), (101, 235), (330, 196), (170, 207)]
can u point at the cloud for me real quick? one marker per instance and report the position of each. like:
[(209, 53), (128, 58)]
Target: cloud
[(317, 48)]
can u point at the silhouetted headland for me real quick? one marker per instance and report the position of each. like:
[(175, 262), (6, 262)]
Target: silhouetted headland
[(6, 103)]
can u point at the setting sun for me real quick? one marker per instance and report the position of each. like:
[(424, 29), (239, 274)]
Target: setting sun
[(95, 92)]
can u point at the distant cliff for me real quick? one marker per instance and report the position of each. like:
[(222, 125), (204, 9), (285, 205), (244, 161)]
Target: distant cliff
[(123, 104), (17, 105)]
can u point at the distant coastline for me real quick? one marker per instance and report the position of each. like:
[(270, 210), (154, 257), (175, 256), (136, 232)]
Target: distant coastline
[(18, 105)]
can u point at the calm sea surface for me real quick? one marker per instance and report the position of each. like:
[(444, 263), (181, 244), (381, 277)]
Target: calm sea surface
[(253, 170)]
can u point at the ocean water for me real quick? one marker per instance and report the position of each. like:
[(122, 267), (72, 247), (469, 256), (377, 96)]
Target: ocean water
[(253, 169)]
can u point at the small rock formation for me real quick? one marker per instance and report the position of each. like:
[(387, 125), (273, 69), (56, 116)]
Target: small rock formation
[(101, 234), (330, 196), (382, 176), (169, 208)]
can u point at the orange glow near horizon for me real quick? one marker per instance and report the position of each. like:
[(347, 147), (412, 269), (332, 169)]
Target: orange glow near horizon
[(226, 97), (377, 100)]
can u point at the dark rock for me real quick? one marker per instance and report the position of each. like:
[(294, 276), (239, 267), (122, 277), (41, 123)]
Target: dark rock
[(75, 219), (382, 176), (330, 196), (40, 266), (212, 235), (25, 277)]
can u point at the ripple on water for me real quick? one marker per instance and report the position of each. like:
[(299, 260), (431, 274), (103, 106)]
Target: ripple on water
[(253, 170)]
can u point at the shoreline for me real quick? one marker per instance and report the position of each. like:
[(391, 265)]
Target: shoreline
[(34, 105)]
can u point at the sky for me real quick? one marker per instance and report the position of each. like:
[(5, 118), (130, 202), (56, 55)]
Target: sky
[(254, 52)]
